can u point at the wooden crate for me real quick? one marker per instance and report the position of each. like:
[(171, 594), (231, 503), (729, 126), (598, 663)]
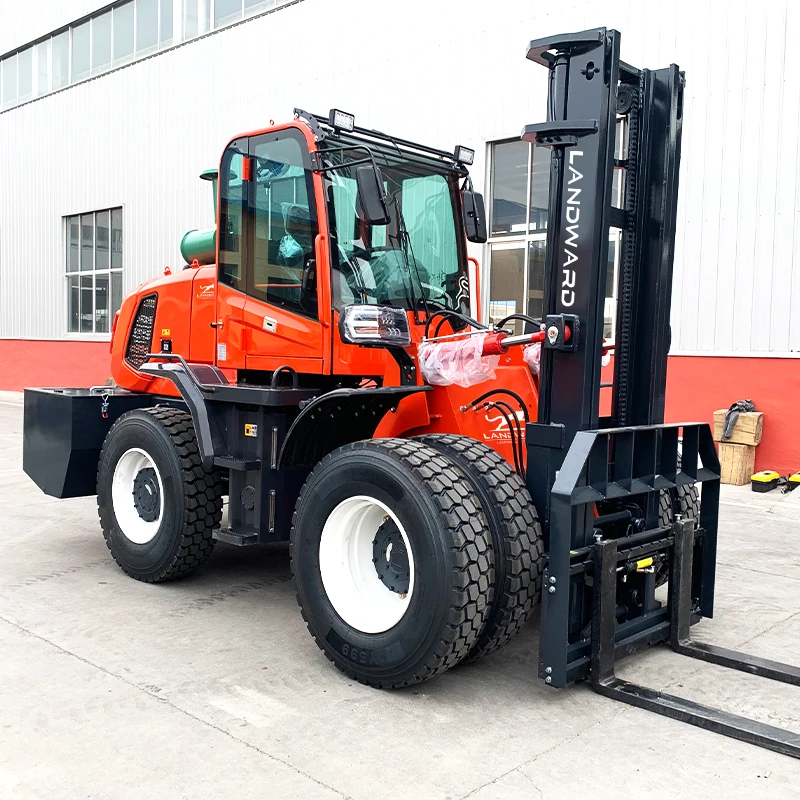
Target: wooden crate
[(747, 429), (738, 463)]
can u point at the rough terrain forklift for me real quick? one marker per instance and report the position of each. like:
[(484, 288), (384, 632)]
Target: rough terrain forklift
[(317, 364)]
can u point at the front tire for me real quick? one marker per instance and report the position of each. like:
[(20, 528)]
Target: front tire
[(516, 536), (158, 505), (391, 561)]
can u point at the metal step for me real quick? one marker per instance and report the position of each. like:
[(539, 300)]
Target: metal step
[(239, 539), (238, 464)]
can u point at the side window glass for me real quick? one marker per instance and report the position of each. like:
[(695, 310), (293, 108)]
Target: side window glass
[(231, 227), (428, 213), (284, 223)]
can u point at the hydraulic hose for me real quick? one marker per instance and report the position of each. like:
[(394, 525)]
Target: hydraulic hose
[(516, 435), (521, 317), (508, 417), (508, 392)]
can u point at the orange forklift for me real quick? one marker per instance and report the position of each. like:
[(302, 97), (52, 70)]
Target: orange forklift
[(322, 363)]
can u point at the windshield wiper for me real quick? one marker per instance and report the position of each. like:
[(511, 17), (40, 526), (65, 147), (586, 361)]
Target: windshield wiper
[(405, 241)]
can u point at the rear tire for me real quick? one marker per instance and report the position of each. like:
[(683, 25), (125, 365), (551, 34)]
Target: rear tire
[(158, 505), (686, 501), (383, 623), (683, 500), (516, 536)]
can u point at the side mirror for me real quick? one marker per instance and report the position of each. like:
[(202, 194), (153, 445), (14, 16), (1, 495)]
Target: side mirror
[(474, 216), (371, 201)]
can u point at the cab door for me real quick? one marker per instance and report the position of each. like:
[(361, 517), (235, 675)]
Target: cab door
[(273, 300), (232, 257)]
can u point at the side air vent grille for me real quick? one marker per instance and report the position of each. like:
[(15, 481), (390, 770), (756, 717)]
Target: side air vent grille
[(141, 337)]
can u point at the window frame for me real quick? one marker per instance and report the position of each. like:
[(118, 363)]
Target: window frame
[(512, 240), (246, 145), (250, 233), (109, 271), (525, 239)]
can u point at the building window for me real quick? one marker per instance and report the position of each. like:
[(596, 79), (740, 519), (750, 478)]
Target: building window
[(518, 203), (25, 75), (111, 38), (60, 51), (43, 67), (520, 176), (147, 16), (8, 82), (94, 270), (123, 33), (101, 43), (81, 37)]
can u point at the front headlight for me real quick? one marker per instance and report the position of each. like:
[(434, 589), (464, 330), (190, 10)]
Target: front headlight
[(376, 326)]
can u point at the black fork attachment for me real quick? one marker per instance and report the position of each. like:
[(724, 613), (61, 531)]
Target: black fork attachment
[(600, 483)]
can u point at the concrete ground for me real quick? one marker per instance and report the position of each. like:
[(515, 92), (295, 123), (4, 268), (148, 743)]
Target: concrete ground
[(212, 688)]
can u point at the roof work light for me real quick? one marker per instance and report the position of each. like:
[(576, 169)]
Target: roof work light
[(342, 120), (465, 155)]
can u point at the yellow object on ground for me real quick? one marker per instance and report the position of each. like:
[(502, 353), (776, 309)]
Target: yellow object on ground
[(764, 481)]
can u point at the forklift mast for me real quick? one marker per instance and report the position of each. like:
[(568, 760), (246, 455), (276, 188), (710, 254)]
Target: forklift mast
[(592, 95), (586, 472)]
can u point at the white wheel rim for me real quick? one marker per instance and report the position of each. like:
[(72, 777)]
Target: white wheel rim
[(130, 521), (351, 581)]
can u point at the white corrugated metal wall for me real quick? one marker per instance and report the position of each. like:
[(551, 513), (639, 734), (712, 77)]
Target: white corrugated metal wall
[(441, 73)]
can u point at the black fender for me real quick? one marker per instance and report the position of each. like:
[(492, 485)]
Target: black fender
[(337, 418), (190, 380)]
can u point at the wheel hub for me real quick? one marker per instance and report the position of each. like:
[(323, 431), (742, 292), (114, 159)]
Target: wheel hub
[(146, 496), (390, 557)]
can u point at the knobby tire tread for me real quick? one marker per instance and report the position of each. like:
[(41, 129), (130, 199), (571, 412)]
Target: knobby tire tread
[(520, 575), (468, 544), (202, 498)]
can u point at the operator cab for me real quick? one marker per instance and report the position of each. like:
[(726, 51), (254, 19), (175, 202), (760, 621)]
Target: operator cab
[(296, 245)]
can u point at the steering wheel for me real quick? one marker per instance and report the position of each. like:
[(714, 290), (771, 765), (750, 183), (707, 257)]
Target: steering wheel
[(363, 253), (436, 289)]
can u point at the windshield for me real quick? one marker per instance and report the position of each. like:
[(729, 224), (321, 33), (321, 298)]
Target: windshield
[(413, 258)]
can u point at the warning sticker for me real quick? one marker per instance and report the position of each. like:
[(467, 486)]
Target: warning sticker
[(250, 430), (165, 332), (222, 352)]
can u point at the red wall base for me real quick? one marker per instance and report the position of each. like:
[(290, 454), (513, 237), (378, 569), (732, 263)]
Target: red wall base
[(33, 362), (696, 387)]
